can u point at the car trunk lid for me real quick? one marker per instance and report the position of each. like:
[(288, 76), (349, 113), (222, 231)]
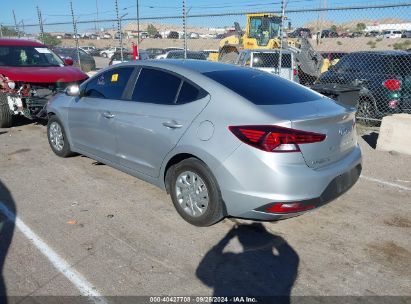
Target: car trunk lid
[(322, 116)]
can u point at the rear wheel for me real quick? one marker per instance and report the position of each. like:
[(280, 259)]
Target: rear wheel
[(229, 57), (195, 193), (6, 117), (104, 55), (57, 137), (366, 112)]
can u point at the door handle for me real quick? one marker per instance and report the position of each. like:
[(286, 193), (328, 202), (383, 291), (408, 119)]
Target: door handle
[(172, 124), (108, 115)]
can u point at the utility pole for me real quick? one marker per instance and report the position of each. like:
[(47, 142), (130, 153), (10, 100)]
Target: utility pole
[(40, 24), (75, 34), (185, 28), (138, 22), (97, 25), (15, 23)]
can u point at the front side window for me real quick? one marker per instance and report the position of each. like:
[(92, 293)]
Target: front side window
[(155, 86), (110, 84)]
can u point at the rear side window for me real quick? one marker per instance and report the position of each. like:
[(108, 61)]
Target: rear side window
[(189, 93), (155, 86), (261, 88), (271, 60), (110, 84)]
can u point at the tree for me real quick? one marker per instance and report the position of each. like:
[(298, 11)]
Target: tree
[(151, 30), (361, 27), (50, 40), (7, 31), (333, 28)]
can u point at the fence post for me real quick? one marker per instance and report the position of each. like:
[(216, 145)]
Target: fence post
[(75, 34), (281, 36), (119, 31), (185, 28), (138, 22)]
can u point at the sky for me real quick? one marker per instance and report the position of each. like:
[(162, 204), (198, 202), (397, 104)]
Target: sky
[(59, 10)]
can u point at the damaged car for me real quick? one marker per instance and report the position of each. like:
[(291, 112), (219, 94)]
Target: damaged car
[(30, 75)]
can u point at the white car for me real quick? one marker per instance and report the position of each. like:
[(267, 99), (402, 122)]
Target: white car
[(392, 34), (87, 49), (107, 53)]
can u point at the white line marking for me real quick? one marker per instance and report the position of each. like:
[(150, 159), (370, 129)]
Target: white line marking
[(85, 288), (385, 183)]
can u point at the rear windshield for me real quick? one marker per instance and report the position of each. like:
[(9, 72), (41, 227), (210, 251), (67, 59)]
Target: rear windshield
[(402, 65), (270, 60), (262, 88), (180, 55)]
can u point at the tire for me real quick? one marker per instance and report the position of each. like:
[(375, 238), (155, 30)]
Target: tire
[(104, 55), (183, 175), (6, 117), (229, 57), (366, 113), (57, 137)]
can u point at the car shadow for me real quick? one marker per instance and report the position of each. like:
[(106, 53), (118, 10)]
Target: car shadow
[(7, 222), (371, 139), (266, 267)]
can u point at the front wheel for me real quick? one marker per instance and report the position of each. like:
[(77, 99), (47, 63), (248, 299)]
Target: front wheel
[(57, 137), (195, 193), (6, 117), (105, 55)]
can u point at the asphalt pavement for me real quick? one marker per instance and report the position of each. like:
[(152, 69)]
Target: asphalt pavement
[(83, 228)]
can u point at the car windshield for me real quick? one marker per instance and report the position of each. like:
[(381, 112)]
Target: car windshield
[(28, 56)]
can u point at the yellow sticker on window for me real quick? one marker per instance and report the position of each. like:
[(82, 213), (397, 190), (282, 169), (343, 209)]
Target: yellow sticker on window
[(114, 77)]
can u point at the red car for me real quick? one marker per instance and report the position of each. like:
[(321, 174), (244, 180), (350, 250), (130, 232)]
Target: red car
[(30, 75)]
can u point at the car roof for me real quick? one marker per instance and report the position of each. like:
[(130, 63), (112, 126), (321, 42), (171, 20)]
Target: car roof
[(184, 65), (20, 42)]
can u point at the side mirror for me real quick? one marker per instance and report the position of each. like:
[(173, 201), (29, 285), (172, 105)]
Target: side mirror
[(68, 61), (73, 90)]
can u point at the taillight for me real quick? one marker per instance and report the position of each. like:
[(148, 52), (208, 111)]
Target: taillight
[(275, 138), (295, 72), (392, 84), (288, 208)]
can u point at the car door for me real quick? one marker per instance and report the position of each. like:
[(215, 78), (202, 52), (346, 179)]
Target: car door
[(91, 118), (162, 108)]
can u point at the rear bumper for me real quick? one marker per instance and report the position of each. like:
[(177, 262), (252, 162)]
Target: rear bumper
[(251, 180), (336, 188)]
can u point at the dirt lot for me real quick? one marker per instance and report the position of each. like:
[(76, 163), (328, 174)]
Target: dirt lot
[(116, 235), (327, 44)]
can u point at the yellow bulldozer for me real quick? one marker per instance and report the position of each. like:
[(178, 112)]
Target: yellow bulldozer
[(263, 31)]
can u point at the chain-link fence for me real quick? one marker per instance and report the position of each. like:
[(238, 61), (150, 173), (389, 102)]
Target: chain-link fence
[(336, 48)]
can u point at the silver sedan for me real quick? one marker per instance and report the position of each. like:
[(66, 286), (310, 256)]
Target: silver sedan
[(221, 140)]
